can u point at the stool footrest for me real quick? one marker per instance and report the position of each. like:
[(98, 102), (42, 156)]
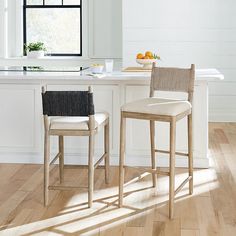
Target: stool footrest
[(159, 172), (176, 153), (151, 171), (55, 158), (136, 179), (100, 160), (65, 188), (182, 185)]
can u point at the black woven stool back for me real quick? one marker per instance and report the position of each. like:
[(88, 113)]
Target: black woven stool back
[(68, 103)]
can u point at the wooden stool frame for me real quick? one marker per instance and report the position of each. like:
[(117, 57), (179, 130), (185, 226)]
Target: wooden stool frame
[(185, 84), (91, 132)]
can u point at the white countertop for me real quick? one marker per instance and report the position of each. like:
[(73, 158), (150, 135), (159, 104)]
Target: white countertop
[(201, 74)]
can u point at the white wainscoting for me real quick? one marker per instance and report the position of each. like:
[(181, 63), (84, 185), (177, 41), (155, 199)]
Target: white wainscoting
[(184, 32), (20, 118)]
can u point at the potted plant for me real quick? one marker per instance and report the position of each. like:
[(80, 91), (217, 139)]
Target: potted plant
[(35, 50)]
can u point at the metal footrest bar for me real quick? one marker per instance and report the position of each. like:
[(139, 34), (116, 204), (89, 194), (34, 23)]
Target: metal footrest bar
[(182, 185), (167, 152), (55, 158), (65, 188)]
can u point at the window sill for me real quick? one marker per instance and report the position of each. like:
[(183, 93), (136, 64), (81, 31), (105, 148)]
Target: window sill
[(25, 58), (53, 61)]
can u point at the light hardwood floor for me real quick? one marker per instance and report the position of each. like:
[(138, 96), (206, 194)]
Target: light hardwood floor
[(210, 211)]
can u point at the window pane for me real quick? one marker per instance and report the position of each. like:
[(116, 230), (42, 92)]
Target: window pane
[(71, 2), (53, 2), (35, 2), (58, 29)]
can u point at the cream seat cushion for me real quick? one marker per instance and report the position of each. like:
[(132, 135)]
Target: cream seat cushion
[(158, 106), (75, 122)]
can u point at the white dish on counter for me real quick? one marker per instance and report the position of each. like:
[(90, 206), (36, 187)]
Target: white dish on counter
[(98, 69)]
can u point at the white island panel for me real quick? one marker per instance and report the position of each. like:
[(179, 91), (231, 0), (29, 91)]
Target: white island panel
[(19, 118), (21, 136)]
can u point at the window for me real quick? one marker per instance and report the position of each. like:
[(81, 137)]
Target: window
[(56, 23)]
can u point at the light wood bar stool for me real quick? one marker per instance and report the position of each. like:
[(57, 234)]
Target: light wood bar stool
[(71, 113), (164, 110)]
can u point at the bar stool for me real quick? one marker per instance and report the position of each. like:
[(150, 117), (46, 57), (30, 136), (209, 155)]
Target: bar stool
[(71, 113), (164, 110)]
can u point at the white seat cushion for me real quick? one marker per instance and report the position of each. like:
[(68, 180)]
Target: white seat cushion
[(158, 106), (76, 122)]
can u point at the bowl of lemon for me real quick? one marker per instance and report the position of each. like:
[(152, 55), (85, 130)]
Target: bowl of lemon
[(147, 59), (97, 68)]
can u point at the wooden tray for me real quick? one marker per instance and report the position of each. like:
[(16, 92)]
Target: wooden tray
[(136, 69)]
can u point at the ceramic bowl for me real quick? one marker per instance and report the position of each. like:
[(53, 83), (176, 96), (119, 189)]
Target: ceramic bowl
[(97, 69), (147, 63), (35, 54)]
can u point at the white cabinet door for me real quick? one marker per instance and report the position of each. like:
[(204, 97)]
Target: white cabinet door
[(106, 98), (20, 121)]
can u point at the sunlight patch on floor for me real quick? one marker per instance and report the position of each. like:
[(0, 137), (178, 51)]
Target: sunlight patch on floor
[(76, 216)]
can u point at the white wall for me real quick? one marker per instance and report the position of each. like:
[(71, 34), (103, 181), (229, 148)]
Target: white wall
[(14, 29), (184, 32), (2, 28), (105, 24)]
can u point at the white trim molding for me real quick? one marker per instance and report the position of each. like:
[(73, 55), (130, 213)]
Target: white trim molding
[(72, 159), (222, 115)]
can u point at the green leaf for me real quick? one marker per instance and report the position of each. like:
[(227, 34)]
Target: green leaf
[(38, 46)]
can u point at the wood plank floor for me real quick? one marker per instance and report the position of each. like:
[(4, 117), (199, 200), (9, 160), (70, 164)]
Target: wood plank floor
[(210, 211)]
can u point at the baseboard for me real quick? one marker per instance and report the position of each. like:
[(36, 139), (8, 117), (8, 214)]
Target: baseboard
[(77, 159), (222, 116)]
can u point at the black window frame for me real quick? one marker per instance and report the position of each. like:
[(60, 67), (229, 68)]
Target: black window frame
[(43, 5)]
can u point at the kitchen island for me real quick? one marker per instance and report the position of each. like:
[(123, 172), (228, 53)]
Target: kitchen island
[(21, 123)]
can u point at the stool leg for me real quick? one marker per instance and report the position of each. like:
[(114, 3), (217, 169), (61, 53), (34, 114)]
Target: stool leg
[(190, 153), (107, 151), (153, 153), (61, 159), (46, 166), (91, 170), (122, 156), (172, 167)]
